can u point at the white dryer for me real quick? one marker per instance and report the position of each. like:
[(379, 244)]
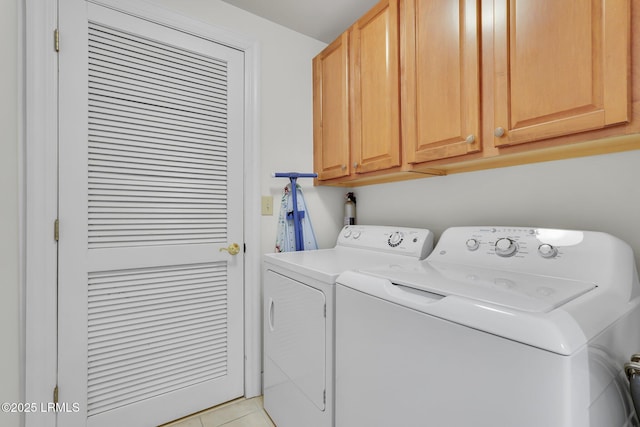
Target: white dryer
[(299, 292), (499, 327)]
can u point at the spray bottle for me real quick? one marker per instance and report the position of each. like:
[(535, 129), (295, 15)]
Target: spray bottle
[(350, 209)]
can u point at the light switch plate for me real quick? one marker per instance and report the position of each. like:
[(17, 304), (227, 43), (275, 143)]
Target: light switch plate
[(267, 205)]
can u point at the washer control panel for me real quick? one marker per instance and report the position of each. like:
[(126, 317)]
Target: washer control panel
[(506, 242), (413, 242), (537, 263), (493, 246)]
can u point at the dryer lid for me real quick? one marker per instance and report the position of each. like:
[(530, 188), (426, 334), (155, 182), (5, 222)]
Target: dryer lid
[(513, 290), (326, 265)]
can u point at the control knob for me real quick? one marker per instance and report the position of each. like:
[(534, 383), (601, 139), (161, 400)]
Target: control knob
[(395, 239), (473, 244), (547, 251), (506, 247)]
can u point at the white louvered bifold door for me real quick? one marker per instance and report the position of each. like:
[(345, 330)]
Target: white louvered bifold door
[(151, 188)]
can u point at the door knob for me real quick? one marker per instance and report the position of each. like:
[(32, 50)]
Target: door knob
[(233, 249)]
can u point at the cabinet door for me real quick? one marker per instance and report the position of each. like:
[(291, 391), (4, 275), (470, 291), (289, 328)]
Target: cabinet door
[(561, 67), (331, 110), (441, 100), (374, 57)]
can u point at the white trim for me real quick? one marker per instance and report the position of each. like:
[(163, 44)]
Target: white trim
[(40, 197), (252, 232), (41, 191), (155, 13), (21, 201)]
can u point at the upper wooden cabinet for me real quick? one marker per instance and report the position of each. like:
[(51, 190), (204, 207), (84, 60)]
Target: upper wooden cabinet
[(560, 67), (356, 98), (331, 149), (375, 97), (441, 84)]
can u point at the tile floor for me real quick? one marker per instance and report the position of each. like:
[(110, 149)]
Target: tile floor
[(237, 413)]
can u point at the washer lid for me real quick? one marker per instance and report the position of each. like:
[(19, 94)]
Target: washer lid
[(517, 291)]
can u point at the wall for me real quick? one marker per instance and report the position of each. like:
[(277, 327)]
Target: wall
[(286, 133), (9, 210), (599, 193)]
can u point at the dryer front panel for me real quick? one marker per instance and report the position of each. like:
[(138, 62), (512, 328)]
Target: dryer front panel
[(295, 337)]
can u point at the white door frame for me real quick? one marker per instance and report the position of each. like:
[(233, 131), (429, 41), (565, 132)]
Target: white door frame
[(41, 190)]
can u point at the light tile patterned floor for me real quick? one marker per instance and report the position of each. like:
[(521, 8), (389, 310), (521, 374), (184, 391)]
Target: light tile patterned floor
[(237, 413)]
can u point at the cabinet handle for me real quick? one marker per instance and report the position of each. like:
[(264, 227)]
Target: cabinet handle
[(499, 132), (470, 139), (355, 165), (344, 167)]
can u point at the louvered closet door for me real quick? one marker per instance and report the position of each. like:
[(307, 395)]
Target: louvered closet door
[(151, 187)]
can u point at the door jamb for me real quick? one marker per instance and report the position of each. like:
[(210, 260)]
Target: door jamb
[(41, 208), (41, 189)]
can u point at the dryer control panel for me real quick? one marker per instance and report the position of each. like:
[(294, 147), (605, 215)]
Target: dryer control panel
[(413, 242)]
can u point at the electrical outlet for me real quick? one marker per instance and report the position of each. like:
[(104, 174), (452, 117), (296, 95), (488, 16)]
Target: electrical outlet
[(267, 205)]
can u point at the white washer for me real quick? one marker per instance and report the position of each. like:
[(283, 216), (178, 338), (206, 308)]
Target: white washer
[(499, 326), (299, 292)]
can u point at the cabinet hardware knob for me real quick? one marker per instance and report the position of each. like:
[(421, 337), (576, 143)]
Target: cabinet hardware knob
[(470, 139), (499, 132), (344, 167), (355, 165)]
